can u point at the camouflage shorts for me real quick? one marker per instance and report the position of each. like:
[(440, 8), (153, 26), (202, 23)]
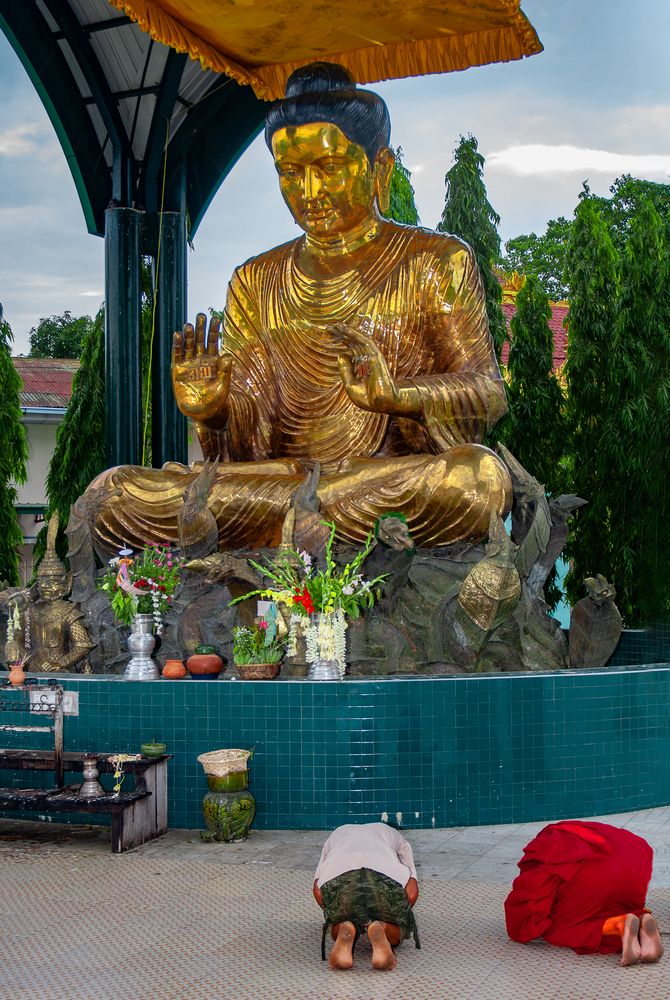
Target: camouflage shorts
[(362, 896)]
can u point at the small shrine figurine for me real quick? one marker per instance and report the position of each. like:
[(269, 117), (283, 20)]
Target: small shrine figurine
[(48, 631)]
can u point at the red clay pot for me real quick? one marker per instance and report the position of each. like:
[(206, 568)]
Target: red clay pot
[(174, 670), (204, 664)]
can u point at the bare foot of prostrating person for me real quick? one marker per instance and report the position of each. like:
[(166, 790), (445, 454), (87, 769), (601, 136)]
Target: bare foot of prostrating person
[(382, 953), (650, 939), (342, 954), (630, 945)]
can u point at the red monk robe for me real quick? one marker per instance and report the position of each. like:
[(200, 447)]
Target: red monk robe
[(574, 877)]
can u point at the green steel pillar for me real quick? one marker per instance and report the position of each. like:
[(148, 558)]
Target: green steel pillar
[(168, 426), (122, 336)]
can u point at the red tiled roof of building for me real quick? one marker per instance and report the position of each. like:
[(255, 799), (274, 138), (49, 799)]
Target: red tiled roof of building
[(47, 382), (556, 323)]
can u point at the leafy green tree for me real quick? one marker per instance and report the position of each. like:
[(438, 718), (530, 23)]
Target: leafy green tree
[(402, 207), (543, 256), (468, 214), (628, 194), (79, 454), (14, 454), (592, 274), (59, 336), (535, 427), (637, 429)]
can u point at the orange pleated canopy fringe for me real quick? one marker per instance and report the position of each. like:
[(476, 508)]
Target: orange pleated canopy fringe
[(261, 42)]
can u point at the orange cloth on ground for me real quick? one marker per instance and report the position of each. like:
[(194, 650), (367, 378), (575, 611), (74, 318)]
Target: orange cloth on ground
[(573, 877)]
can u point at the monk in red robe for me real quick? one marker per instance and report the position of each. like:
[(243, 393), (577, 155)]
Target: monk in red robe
[(584, 886)]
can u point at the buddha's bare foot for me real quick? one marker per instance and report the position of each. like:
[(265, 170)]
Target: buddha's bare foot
[(630, 945), (342, 954), (382, 953), (650, 939)]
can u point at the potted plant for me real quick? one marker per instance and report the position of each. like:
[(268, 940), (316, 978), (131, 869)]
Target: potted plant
[(258, 650), (319, 602), (140, 590)]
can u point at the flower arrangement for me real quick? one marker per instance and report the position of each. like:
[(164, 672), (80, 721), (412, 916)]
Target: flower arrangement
[(144, 585), (118, 760), (258, 643), (333, 594)]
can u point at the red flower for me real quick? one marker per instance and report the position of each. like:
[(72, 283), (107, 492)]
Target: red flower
[(263, 625), (305, 598)]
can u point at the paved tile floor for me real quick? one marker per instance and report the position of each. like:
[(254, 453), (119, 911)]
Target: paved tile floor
[(183, 920)]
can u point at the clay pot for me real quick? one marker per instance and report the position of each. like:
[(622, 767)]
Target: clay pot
[(17, 674), (174, 670), (205, 664)]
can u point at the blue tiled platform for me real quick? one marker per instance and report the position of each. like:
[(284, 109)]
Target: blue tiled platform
[(438, 751)]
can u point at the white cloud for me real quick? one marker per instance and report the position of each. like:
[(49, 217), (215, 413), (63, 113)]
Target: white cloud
[(21, 139), (538, 158), (93, 294)]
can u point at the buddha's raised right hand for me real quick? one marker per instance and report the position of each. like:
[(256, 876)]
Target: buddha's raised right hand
[(200, 375)]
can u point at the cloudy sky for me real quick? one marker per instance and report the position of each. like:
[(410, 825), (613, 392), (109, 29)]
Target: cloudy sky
[(595, 104)]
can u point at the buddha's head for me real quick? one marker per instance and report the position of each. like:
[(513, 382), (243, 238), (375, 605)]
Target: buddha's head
[(330, 142)]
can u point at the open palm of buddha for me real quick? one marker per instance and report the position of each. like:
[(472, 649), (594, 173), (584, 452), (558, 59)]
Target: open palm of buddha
[(362, 345)]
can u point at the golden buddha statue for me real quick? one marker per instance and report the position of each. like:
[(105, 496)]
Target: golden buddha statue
[(58, 637), (362, 345)]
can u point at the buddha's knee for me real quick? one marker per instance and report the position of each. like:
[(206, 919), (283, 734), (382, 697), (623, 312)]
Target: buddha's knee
[(481, 478)]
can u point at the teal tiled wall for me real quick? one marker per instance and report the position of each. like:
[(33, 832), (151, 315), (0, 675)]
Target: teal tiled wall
[(446, 751)]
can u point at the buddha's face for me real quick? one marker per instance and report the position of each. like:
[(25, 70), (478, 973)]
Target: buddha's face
[(326, 179)]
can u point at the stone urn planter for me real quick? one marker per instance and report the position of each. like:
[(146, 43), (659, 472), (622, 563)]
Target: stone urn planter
[(228, 807)]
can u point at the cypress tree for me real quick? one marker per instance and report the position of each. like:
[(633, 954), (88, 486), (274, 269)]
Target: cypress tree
[(592, 276), (14, 454), (79, 454), (468, 214), (402, 207), (636, 434), (535, 427)]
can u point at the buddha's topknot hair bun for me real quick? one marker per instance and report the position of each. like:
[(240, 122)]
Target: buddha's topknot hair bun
[(326, 92)]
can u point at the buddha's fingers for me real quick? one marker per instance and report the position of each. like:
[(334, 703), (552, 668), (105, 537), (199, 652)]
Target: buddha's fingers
[(200, 331), (213, 336), (177, 348), (189, 342)]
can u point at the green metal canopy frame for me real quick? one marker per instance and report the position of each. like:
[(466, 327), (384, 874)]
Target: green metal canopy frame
[(149, 137)]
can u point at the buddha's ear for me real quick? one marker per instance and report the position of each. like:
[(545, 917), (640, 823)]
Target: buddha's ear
[(383, 171)]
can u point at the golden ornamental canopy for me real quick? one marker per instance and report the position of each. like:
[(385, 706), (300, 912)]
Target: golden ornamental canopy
[(261, 42)]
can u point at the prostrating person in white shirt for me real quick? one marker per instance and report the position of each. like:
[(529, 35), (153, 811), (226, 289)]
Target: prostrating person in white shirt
[(366, 882)]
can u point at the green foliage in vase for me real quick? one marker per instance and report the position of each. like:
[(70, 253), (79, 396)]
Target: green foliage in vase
[(469, 215), (402, 207), (304, 588), (592, 274), (257, 644), (144, 585), (637, 426), (79, 454), (14, 455)]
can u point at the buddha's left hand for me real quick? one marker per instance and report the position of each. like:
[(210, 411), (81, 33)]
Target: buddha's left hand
[(367, 379)]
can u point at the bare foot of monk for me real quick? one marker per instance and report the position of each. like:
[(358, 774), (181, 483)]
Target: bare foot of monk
[(382, 952), (650, 939), (630, 946), (342, 954)]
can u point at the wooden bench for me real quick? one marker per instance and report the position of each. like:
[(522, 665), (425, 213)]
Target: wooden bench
[(138, 815)]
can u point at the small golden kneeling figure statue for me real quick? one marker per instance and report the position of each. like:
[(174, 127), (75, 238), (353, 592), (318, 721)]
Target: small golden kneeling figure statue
[(58, 638), (362, 345)]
